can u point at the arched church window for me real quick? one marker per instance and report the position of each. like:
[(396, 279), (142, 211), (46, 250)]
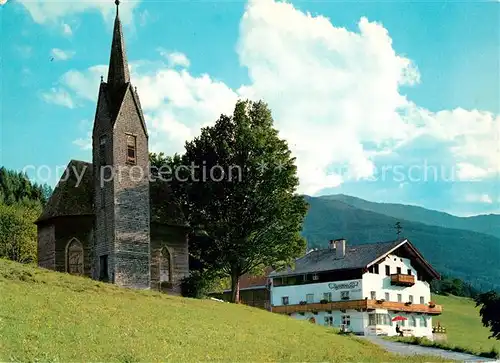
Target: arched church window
[(74, 257), (165, 266)]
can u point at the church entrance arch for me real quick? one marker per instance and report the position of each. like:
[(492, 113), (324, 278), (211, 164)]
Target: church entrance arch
[(165, 266), (74, 257)]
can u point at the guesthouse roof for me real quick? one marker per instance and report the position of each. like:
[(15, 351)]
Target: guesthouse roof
[(356, 257)]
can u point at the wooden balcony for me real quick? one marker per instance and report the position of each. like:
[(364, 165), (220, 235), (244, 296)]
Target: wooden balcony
[(406, 308), (334, 305), (359, 304), (402, 280)]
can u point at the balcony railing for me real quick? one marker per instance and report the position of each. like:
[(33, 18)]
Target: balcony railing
[(402, 280), (359, 304)]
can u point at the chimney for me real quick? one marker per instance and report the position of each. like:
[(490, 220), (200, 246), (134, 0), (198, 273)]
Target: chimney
[(340, 246)]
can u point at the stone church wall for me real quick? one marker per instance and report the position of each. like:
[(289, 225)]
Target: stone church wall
[(175, 239), (67, 228), (131, 208), (103, 191), (46, 246)]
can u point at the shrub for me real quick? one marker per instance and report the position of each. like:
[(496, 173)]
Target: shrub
[(196, 285), (493, 353)]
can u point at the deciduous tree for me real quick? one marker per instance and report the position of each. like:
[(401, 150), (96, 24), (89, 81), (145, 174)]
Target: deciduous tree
[(490, 312), (18, 232), (241, 191)]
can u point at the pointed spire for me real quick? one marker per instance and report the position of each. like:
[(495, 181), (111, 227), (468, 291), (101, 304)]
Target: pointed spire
[(118, 73)]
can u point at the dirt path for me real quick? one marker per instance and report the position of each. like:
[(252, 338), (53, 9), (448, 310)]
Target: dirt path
[(409, 349)]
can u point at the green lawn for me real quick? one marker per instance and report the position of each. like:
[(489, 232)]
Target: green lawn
[(47, 316), (463, 324)]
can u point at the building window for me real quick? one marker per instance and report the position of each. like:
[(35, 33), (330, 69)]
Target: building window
[(379, 319), (103, 268), (74, 257), (310, 298), (327, 296), (409, 271), (410, 298), (387, 270), (284, 300), (422, 300), (400, 298), (423, 321), (375, 269), (329, 320), (346, 320), (398, 270), (372, 320), (344, 295), (102, 150), (387, 297), (373, 295), (165, 266), (411, 321), (131, 149)]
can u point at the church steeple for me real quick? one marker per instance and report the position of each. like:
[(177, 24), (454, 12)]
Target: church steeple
[(118, 73)]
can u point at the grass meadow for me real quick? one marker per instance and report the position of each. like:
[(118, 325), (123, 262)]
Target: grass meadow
[(53, 317)]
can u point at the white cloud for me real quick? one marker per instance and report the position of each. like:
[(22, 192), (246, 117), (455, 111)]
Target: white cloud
[(84, 143), (333, 91), (174, 58), (59, 96), (144, 17), (335, 96), (66, 29), (61, 55), (471, 137), (467, 171), (2, 2), (85, 84), (176, 104), (47, 11), (479, 198)]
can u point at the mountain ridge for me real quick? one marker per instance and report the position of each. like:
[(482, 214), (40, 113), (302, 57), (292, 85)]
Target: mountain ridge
[(482, 223), (461, 253)]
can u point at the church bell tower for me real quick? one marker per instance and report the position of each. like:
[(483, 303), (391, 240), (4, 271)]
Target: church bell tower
[(121, 252)]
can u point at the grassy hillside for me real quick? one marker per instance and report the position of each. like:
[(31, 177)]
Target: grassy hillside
[(445, 248), (49, 316), (462, 321), (488, 224)]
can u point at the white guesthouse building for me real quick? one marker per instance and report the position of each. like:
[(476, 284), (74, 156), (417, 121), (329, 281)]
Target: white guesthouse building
[(359, 288)]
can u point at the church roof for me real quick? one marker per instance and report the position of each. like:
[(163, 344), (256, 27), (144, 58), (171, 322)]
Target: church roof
[(114, 94), (358, 256), (118, 73), (73, 194)]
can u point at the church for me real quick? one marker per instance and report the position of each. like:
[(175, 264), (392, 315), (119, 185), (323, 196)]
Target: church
[(104, 219)]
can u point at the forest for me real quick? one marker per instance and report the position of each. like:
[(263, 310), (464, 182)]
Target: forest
[(21, 202)]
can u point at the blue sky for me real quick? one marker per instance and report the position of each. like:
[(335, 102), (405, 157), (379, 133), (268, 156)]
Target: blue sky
[(403, 86)]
